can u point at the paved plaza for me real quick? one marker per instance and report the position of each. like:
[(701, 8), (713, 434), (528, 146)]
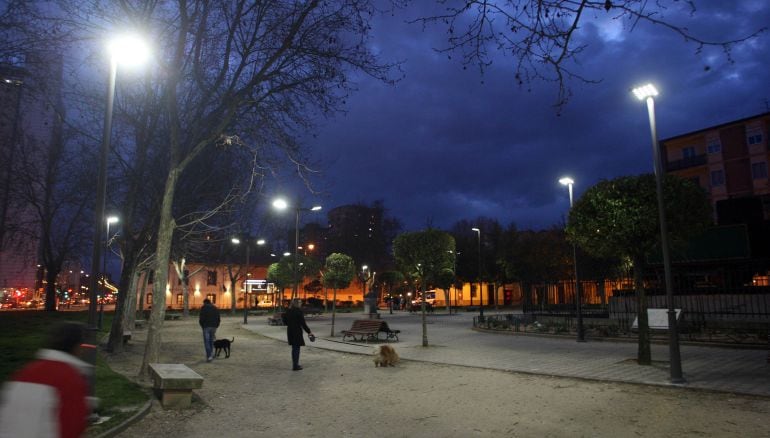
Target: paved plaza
[(452, 341)]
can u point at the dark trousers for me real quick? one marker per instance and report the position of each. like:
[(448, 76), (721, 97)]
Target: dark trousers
[(295, 356)]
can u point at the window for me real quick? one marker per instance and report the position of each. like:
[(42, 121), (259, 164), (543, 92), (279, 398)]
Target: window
[(212, 298), (754, 136), (717, 178), (179, 299), (714, 148), (149, 298), (212, 278), (150, 276), (759, 170), (688, 152)]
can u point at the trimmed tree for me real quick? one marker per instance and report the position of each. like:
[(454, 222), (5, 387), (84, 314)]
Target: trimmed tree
[(619, 217), (338, 273), (425, 255)]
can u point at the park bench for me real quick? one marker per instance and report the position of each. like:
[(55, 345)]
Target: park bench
[(126, 336), (276, 319), (175, 382), (369, 330), (173, 316), (139, 323)]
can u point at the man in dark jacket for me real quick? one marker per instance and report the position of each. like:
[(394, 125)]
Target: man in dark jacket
[(295, 323), (209, 322)]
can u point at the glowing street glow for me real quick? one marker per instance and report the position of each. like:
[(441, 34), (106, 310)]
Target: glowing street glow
[(645, 91), (129, 50), (566, 181)]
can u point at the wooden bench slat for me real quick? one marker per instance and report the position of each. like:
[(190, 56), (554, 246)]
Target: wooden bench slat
[(370, 329)]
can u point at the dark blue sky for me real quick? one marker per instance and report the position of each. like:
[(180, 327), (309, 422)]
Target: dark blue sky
[(445, 144)]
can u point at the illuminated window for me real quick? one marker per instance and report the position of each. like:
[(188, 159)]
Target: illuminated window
[(149, 298), (179, 299), (212, 298)]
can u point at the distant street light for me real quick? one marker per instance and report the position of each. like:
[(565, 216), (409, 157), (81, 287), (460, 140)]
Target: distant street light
[(125, 50), (578, 296), (246, 285), (481, 299), (282, 204), (647, 92)]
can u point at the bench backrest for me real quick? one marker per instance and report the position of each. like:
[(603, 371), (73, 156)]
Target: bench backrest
[(366, 324)]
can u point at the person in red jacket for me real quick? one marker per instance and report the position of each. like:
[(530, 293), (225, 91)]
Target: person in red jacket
[(48, 397)]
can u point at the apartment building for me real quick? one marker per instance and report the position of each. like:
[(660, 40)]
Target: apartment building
[(730, 161)]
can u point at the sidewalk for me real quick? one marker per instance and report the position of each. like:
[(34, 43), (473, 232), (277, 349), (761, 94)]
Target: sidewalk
[(453, 341)]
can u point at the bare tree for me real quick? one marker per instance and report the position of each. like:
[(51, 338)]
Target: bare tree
[(541, 36), (240, 74)]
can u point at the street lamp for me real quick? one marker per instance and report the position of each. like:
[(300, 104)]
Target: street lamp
[(124, 50), (481, 300), (246, 285), (109, 221), (647, 92), (567, 181), (282, 204)]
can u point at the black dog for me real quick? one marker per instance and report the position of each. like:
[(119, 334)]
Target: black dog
[(222, 344)]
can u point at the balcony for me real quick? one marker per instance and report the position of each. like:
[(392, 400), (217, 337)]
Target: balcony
[(684, 163)]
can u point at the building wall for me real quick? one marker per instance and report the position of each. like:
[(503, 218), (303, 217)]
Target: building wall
[(730, 161)]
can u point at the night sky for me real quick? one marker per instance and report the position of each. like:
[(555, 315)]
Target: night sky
[(445, 143)]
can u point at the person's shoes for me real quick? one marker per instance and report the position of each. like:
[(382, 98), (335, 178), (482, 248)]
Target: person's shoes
[(297, 368), (210, 359)]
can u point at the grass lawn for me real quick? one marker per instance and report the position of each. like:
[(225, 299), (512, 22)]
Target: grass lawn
[(24, 332)]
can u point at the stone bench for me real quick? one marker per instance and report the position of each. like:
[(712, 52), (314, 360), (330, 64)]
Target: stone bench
[(139, 323), (175, 383)]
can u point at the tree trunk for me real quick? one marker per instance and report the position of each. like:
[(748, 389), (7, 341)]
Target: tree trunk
[(129, 315), (162, 255), (446, 297), (334, 310), (115, 343), (145, 282), (50, 289), (232, 295), (644, 356)]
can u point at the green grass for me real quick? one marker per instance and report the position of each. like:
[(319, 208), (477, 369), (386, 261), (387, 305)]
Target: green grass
[(24, 332)]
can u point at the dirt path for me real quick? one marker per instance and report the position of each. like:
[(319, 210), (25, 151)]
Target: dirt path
[(254, 393)]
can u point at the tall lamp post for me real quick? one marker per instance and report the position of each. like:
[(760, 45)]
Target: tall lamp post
[(281, 204), (109, 221), (246, 285), (123, 50), (647, 93), (481, 299), (581, 337)]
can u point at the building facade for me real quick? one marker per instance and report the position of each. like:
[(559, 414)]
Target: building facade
[(730, 162)]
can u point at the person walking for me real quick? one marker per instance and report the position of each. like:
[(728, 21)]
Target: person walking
[(49, 396), (209, 322), (295, 323)]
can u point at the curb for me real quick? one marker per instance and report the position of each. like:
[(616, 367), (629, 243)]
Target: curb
[(128, 422)]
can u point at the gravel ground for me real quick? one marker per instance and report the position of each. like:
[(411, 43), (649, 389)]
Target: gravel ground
[(254, 393)]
